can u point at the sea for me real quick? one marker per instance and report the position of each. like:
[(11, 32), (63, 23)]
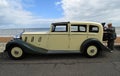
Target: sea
[(17, 31)]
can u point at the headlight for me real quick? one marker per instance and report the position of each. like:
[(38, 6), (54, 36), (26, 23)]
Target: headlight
[(17, 36)]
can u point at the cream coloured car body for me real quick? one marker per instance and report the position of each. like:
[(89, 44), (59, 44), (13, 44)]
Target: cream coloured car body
[(67, 41)]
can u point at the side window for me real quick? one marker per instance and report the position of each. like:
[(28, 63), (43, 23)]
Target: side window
[(93, 29), (82, 28), (78, 28), (59, 28), (74, 28)]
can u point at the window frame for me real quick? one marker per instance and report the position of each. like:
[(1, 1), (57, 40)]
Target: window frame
[(93, 31), (54, 27), (78, 27)]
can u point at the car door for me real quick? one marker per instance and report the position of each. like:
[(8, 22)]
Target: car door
[(95, 32), (59, 37), (78, 34)]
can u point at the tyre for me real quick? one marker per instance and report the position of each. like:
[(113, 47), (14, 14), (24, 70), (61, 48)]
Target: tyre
[(16, 52), (91, 50)]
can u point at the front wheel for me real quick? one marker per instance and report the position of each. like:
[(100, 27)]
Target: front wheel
[(16, 52), (91, 51)]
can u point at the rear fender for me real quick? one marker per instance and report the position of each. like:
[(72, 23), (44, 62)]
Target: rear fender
[(93, 41)]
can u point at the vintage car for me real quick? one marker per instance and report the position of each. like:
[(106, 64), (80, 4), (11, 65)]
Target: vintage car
[(63, 37)]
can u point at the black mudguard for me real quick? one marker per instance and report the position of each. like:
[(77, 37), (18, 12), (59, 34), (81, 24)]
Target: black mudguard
[(95, 41), (28, 48)]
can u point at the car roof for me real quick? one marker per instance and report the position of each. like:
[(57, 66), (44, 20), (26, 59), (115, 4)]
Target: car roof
[(77, 22)]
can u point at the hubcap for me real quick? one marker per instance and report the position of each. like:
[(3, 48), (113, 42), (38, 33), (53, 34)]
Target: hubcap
[(92, 50), (16, 52)]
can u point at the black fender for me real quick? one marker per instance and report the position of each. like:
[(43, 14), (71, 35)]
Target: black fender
[(93, 41), (28, 48)]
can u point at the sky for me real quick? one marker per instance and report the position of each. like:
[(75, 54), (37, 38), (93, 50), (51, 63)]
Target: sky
[(41, 13)]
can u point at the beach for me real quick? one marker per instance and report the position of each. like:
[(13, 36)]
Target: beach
[(3, 41)]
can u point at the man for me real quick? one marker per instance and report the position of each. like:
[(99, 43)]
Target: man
[(111, 36)]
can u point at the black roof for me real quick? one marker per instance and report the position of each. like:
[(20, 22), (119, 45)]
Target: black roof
[(60, 23)]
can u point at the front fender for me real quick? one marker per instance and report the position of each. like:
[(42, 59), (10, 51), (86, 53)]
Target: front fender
[(96, 42), (28, 48)]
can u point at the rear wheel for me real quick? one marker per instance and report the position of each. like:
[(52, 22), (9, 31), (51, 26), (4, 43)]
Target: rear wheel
[(91, 50), (16, 52)]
